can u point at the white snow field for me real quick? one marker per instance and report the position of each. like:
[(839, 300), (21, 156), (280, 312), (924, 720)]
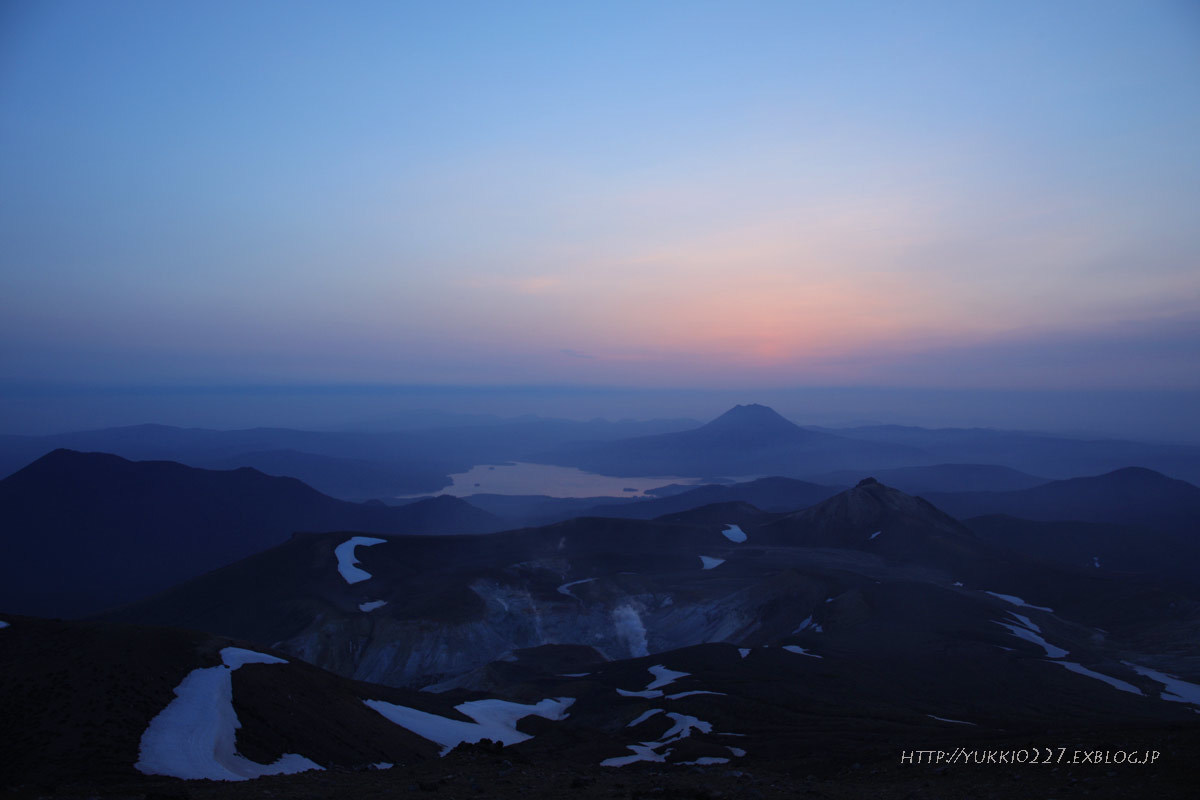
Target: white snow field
[(493, 719), (347, 563), (372, 605), (194, 736), (1177, 690), (708, 562), (734, 533)]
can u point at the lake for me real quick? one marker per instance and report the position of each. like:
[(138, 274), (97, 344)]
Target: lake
[(547, 479)]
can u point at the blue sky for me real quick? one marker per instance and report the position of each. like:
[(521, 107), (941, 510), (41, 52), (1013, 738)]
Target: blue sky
[(665, 195)]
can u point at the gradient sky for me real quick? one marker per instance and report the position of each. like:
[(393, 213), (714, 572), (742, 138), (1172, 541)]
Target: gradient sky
[(954, 195)]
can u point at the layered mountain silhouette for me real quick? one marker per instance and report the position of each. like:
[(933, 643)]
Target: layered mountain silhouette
[(1129, 496), (88, 531), (940, 478), (746, 440)]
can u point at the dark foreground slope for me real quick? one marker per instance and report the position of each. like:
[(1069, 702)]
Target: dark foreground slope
[(786, 655), (87, 531)]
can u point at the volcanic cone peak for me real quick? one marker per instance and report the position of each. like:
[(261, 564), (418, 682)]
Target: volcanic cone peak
[(871, 503)]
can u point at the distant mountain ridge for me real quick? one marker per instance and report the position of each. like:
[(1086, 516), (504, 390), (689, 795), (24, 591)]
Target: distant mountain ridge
[(746, 440), (1127, 496), (87, 531)]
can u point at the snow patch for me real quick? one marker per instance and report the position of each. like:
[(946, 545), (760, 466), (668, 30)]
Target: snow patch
[(575, 674), (1016, 601), (1028, 635), (641, 752), (734, 533), (566, 587), (3, 624), (663, 676), (643, 717), (1113, 682), (873, 535), (694, 691), (372, 605), (737, 751), (194, 736), (945, 719), (347, 563), (1096, 562), (1177, 690), (708, 562), (492, 719), (808, 624), (743, 651), (704, 761), (648, 694), (795, 648)]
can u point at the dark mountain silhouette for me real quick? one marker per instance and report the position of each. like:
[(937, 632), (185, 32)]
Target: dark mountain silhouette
[(1094, 545), (350, 464), (86, 531), (939, 478), (746, 440), (1036, 453), (1129, 496)]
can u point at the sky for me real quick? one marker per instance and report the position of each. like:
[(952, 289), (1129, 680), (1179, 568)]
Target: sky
[(736, 198)]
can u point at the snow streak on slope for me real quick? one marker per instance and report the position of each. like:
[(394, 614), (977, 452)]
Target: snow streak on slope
[(708, 562), (194, 736), (1016, 601), (1177, 690), (493, 719), (1029, 632), (1113, 682), (347, 563)]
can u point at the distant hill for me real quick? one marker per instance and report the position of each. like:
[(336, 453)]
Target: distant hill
[(746, 440), (352, 465), (1130, 496), (1035, 453), (87, 531), (939, 478)]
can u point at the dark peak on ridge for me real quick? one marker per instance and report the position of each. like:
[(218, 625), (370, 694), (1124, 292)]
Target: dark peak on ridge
[(752, 417), (872, 503)]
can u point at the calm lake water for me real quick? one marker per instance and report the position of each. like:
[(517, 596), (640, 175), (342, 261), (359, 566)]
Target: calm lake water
[(523, 478)]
